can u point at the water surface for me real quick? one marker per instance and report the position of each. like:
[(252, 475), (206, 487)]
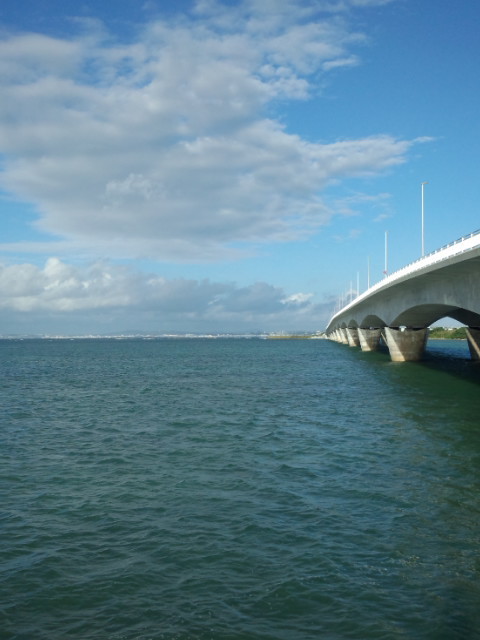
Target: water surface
[(237, 489)]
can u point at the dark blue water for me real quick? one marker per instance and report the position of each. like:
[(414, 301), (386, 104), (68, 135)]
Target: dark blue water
[(237, 489)]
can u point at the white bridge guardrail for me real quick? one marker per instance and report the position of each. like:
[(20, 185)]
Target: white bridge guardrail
[(465, 243)]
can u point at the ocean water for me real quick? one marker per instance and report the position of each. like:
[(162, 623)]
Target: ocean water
[(228, 489)]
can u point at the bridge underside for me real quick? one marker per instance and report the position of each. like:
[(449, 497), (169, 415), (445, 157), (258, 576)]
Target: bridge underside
[(420, 316), (403, 343), (399, 314)]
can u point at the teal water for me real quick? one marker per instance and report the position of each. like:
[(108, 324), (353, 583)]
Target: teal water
[(237, 489)]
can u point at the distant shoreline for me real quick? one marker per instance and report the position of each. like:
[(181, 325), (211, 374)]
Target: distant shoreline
[(311, 336), (440, 333)]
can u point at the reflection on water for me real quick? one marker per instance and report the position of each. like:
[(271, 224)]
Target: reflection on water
[(452, 356)]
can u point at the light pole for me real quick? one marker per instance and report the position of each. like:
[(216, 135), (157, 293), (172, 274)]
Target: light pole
[(386, 254), (423, 218)]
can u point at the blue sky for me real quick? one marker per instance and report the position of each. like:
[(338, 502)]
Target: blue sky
[(225, 166)]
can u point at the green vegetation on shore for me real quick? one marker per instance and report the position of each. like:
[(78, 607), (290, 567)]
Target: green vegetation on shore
[(448, 334)]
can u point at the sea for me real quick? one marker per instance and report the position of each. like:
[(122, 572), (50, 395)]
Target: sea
[(237, 489)]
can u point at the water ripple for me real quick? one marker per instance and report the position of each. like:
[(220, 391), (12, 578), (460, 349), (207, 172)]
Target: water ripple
[(234, 489)]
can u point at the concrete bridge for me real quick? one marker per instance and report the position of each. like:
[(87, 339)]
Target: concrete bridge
[(399, 309)]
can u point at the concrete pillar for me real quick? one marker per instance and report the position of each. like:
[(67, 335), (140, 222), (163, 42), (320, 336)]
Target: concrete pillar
[(473, 337), (352, 337), (369, 339), (343, 336), (405, 345)]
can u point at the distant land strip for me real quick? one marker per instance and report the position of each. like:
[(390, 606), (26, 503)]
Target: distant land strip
[(437, 333), (293, 336), (444, 333)]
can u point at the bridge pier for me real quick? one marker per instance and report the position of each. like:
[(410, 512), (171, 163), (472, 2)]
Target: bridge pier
[(473, 338), (369, 339), (352, 337), (343, 336), (405, 345)]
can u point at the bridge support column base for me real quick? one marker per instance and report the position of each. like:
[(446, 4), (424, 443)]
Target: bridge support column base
[(369, 339), (352, 337), (473, 337), (405, 345), (343, 336)]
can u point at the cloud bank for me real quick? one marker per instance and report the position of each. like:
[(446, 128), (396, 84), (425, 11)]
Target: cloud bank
[(165, 146), (104, 296)]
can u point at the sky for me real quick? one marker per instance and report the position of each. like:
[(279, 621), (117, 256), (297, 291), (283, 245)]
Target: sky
[(226, 166)]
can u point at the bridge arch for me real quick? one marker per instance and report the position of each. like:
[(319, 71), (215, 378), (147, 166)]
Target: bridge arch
[(399, 308), (464, 316), (423, 315), (372, 322)]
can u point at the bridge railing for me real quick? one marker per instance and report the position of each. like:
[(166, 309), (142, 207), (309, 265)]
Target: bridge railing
[(465, 243)]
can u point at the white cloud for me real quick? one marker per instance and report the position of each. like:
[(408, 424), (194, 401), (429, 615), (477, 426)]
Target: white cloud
[(65, 292), (161, 148), (298, 298), (353, 204)]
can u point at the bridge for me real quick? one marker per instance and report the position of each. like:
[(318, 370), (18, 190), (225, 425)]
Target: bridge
[(399, 309)]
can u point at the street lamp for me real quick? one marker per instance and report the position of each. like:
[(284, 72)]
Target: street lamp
[(386, 254), (423, 219)]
